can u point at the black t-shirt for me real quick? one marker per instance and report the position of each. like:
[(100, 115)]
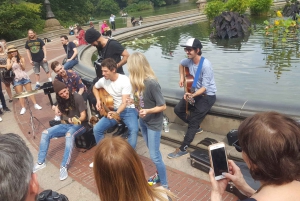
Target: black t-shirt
[(249, 199), (36, 49), (113, 50), (70, 50)]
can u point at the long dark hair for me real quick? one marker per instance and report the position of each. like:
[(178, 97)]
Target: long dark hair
[(65, 105)]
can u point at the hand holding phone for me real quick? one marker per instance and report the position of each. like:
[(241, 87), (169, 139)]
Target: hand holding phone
[(218, 159)]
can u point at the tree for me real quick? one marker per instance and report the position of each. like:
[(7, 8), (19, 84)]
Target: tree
[(17, 18)]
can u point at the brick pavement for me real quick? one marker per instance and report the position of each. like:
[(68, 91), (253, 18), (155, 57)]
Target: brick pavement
[(184, 186)]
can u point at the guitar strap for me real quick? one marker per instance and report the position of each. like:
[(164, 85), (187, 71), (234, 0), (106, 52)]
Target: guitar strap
[(197, 75)]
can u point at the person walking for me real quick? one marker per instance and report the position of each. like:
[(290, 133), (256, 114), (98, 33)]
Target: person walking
[(150, 104), (17, 64), (112, 22), (37, 56)]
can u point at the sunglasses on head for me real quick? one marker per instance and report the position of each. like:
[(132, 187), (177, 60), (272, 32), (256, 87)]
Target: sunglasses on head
[(188, 49), (237, 146)]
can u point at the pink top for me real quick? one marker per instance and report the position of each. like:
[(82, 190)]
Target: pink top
[(81, 40), (102, 27), (19, 73)]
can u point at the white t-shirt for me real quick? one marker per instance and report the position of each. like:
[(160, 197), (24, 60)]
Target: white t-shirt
[(116, 88)]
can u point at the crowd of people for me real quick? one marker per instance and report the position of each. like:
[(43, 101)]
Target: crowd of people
[(269, 141)]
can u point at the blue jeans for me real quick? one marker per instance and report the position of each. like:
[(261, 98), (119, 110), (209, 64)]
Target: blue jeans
[(152, 139), (129, 117), (60, 130), (70, 64)]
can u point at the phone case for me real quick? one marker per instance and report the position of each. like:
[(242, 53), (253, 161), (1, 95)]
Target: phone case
[(210, 159)]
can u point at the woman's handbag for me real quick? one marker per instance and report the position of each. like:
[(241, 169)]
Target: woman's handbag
[(7, 74)]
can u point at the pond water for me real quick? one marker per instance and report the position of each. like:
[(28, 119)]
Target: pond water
[(245, 68)]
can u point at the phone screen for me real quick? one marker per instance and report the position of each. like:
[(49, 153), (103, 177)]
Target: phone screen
[(219, 161)]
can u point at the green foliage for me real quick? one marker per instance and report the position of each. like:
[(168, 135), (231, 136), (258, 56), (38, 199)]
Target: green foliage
[(258, 7), (278, 31), (17, 18), (138, 7), (239, 6), (214, 8), (107, 7)]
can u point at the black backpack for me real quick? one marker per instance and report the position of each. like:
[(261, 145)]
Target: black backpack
[(49, 195)]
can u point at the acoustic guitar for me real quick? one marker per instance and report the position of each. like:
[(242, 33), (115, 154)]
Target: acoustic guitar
[(188, 80), (187, 83), (75, 121), (107, 104)]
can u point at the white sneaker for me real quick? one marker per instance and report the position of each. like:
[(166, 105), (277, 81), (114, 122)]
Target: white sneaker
[(63, 173), (91, 165), (37, 107), (57, 118), (23, 110), (0, 106), (38, 167), (0, 119)]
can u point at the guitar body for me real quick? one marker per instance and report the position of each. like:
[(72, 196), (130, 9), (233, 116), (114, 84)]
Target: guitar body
[(107, 104), (188, 80)]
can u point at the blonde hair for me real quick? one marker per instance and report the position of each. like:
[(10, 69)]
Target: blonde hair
[(139, 69), (119, 173), (2, 47)]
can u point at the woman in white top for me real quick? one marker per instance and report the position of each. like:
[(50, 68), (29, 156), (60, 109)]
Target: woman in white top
[(17, 64)]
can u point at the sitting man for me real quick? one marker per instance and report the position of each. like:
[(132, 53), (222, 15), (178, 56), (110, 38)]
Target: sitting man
[(119, 87), (71, 51), (71, 79), (17, 180), (201, 98), (71, 105)]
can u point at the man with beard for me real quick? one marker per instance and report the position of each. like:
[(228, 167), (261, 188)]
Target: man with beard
[(71, 79), (202, 96), (108, 48), (17, 180), (37, 56), (71, 105)]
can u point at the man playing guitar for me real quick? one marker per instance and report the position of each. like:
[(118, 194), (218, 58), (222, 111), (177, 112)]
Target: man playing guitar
[(119, 87), (71, 105), (200, 99)]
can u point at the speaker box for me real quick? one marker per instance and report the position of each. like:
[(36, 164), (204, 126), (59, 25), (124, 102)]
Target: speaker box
[(85, 140)]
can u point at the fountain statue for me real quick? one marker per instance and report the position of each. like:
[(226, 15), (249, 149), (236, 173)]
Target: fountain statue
[(51, 23)]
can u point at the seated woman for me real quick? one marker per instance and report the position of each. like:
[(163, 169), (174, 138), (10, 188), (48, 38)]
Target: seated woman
[(270, 146), (105, 30), (120, 176), (17, 64)]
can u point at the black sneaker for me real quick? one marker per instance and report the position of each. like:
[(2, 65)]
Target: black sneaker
[(6, 109), (120, 131), (111, 129)]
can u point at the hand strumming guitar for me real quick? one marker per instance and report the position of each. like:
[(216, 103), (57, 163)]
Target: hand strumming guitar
[(98, 105), (112, 114), (189, 98)]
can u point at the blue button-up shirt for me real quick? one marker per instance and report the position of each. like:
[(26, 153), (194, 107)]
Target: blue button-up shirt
[(206, 78)]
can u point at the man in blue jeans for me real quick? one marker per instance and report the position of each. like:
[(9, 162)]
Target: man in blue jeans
[(71, 51), (71, 105), (119, 87)]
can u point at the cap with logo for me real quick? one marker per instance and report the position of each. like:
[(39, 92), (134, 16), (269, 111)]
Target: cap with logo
[(193, 42)]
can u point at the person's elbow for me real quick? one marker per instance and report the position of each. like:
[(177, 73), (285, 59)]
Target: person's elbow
[(163, 107)]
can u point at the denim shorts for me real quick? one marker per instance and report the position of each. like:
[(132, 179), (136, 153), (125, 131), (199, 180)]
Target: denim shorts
[(23, 81), (37, 65)]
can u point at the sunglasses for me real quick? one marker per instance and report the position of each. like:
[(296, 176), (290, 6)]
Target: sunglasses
[(237, 146), (188, 49)]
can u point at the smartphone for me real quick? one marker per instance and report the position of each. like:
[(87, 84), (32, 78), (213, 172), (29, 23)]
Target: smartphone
[(218, 159)]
